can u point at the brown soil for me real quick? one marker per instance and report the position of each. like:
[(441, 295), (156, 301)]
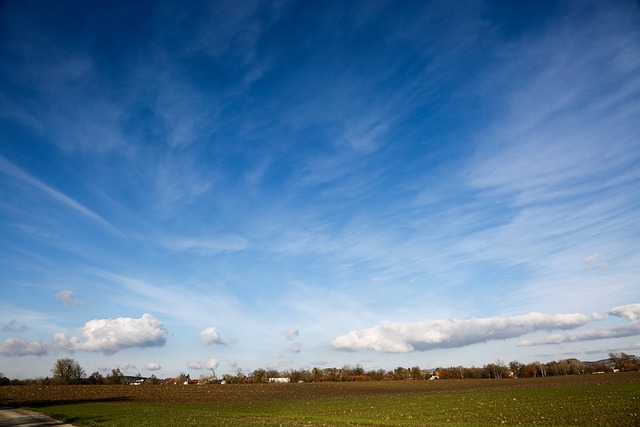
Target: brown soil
[(38, 395)]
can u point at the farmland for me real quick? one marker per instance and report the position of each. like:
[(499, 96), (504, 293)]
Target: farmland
[(580, 400)]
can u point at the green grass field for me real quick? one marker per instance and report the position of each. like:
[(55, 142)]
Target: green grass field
[(585, 406), (557, 402)]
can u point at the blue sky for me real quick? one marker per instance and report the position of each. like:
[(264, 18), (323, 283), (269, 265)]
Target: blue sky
[(243, 185)]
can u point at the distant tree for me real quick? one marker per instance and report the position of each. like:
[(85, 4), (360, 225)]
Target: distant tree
[(400, 373), (345, 373), (259, 376), (534, 370), (4, 380), (331, 374), (597, 367), (553, 368), (472, 372), (315, 374), (116, 377), (542, 368), (67, 371), (357, 370), (297, 375), (451, 373), (517, 368), (416, 373), (624, 361), (462, 373), (271, 373), (152, 380), (95, 378), (377, 375), (496, 370), (575, 366), (241, 376)]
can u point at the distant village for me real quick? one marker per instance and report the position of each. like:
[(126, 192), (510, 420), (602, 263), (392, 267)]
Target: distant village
[(68, 371)]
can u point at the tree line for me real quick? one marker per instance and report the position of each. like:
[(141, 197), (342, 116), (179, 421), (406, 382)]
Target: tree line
[(515, 369), (69, 371)]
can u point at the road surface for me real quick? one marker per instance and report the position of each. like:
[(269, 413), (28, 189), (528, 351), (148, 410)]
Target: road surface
[(10, 417)]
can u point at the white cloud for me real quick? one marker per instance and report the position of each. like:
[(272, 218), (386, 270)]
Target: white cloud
[(112, 335), (295, 347), (212, 363), (60, 341), (631, 311), (126, 366), (192, 364), (598, 334), (406, 337), (211, 336), (68, 298), (20, 347), (153, 366), (291, 333)]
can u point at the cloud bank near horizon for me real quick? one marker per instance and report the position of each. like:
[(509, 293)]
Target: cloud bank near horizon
[(19, 347), (112, 335), (630, 311), (396, 337)]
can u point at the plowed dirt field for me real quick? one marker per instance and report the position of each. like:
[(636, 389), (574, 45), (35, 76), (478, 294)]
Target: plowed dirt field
[(44, 395)]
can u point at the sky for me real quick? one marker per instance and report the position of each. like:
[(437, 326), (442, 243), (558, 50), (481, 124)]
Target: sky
[(234, 185)]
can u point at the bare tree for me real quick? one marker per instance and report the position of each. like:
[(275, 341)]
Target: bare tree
[(116, 377), (517, 368), (67, 371), (96, 378)]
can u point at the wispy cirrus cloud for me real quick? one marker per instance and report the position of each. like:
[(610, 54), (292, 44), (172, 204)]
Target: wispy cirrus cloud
[(205, 246), (529, 152), (24, 177), (186, 307), (558, 156)]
